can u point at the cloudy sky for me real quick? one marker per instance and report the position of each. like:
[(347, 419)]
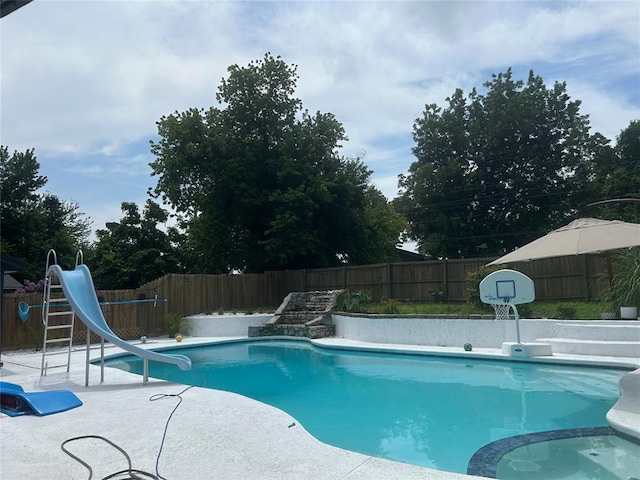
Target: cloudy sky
[(83, 82)]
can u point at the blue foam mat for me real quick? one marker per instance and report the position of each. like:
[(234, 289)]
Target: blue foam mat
[(14, 401)]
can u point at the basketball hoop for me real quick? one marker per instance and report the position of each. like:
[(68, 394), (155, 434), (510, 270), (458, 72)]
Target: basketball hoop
[(503, 290), (502, 310)]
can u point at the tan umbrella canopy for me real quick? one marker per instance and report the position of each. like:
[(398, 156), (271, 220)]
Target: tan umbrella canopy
[(585, 235)]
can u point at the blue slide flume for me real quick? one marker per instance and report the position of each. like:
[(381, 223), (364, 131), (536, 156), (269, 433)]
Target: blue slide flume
[(77, 286)]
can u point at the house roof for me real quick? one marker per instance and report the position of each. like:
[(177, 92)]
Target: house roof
[(10, 264), (10, 6), (408, 256), (10, 283)]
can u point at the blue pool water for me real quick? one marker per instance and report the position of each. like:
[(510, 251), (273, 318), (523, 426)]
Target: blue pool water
[(429, 411)]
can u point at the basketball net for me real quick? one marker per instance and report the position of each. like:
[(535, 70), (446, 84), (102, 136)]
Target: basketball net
[(502, 310)]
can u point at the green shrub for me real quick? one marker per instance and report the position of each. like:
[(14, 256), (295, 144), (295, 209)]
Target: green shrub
[(526, 310), (390, 307), (473, 284), (566, 311), (353, 302), (626, 281), (173, 323)]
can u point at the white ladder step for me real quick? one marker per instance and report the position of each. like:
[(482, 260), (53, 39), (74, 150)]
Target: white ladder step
[(59, 327), (57, 340), (59, 314), (47, 366)]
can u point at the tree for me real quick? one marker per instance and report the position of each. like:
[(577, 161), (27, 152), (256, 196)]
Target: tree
[(259, 184), (616, 173), (134, 251), (33, 222), (495, 170)]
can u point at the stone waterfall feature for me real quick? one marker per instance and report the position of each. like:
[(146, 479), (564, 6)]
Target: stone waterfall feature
[(301, 314)]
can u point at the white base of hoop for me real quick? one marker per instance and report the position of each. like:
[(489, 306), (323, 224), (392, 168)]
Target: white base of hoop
[(514, 349)]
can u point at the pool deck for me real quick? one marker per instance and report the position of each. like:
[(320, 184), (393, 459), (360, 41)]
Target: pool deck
[(213, 434)]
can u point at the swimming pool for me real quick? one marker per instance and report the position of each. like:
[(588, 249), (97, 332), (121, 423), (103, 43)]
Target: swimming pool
[(430, 411)]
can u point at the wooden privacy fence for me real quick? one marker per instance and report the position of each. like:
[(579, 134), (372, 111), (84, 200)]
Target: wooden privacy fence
[(130, 313)]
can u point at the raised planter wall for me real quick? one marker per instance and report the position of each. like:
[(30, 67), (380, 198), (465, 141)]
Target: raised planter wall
[(447, 332), (482, 333), (224, 325)]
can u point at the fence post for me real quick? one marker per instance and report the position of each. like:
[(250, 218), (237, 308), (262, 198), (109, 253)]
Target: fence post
[(445, 278)]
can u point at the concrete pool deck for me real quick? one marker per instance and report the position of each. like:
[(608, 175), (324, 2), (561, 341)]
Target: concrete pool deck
[(213, 434)]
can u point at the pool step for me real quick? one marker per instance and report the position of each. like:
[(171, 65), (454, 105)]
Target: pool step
[(614, 331), (578, 346), (612, 461), (613, 339)]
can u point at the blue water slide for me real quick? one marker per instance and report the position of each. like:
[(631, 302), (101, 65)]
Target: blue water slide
[(78, 288)]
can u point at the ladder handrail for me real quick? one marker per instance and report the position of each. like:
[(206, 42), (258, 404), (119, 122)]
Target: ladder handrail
[(51, 253), (80, 256)]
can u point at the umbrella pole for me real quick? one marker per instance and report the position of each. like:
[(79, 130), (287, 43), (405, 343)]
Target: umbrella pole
[(609, 268)]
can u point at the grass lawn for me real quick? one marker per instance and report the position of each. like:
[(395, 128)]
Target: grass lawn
[(537, 309)]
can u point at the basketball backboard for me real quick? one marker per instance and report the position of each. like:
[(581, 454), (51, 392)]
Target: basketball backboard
[(507, 286)]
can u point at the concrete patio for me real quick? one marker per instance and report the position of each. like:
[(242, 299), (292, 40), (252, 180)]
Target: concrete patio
[(213, 434)]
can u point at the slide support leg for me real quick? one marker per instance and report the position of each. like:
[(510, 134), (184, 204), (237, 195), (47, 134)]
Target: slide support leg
[(101, 360), (86, 366)]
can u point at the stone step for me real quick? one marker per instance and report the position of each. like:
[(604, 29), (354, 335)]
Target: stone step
[(298, 317), (622, 331), (301, 314), (316, 331), (610, 348)]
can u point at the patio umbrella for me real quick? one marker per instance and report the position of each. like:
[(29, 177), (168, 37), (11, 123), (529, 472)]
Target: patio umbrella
[(585, 235)]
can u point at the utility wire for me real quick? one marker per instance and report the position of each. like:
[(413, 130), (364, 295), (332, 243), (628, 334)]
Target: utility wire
[(133, 474), (160, 396)]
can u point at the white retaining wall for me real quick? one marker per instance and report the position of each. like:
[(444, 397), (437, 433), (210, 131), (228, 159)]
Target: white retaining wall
[(224, 325), (441, 332), (402, 330), (481, 333)]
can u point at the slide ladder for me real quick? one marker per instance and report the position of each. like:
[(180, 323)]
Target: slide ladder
[(79, 295), (57, 318)]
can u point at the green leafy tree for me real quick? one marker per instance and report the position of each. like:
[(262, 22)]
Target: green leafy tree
[(35, 222), (259, 183), (616, 176), (496, 169), (134, 251)]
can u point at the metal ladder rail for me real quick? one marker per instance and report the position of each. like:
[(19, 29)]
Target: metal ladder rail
[(57, 302)]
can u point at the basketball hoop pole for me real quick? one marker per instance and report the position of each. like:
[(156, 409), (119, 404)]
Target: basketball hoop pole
[(517, 317)]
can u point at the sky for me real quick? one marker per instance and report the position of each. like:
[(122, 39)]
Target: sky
[(84, 82)]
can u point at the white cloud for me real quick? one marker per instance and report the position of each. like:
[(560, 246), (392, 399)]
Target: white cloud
[(85, 82), (614, 110)]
